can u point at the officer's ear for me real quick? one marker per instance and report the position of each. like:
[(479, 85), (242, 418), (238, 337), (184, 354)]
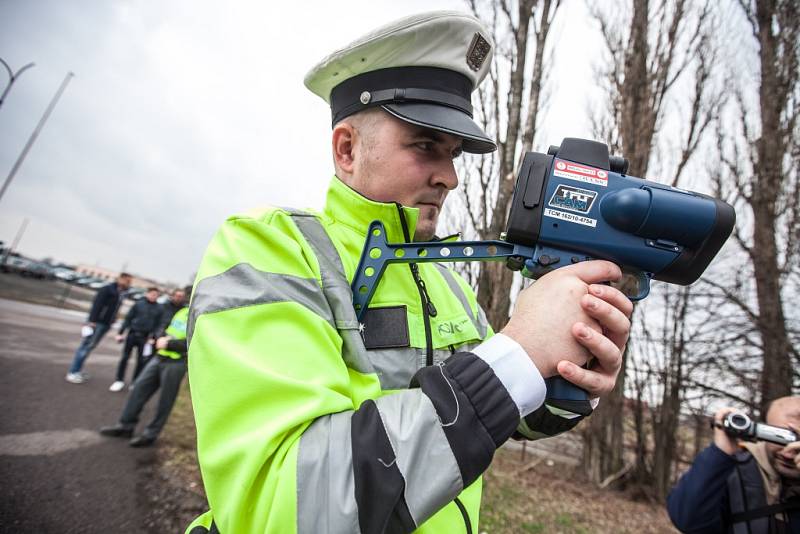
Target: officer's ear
[(343, 139)]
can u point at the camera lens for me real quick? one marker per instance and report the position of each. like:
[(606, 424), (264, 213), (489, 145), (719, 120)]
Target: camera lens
[(739, 421)]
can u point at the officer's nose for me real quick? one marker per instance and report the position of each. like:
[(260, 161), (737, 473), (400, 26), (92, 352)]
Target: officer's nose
[(445, 175)]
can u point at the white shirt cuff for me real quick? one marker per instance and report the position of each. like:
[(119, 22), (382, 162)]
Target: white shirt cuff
[(515, 369)]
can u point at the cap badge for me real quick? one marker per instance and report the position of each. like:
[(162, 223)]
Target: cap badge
[(365, 97), (478, 51)]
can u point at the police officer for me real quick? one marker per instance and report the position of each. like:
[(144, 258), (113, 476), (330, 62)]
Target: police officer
[(308, 421), (177, 300)]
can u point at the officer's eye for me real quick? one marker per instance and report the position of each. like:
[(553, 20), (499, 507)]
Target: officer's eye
[(425, 146), (457, 153)]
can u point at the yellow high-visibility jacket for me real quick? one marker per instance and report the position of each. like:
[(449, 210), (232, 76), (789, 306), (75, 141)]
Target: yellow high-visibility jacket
[(176, 330), (308, 421)]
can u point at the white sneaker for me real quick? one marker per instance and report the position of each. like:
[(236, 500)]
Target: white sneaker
[(117, 386), (74, 378)]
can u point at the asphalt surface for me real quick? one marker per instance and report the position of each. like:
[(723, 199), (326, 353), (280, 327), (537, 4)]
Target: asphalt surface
[(57, 474)]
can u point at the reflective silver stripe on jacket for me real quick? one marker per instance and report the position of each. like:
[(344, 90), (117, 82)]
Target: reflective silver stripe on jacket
[(480, 322), (428, 466), (326, 501), (243, 285), (325, 484), (336, 290), (396, 367)]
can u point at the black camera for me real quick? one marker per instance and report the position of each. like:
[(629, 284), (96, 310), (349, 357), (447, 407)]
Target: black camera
[(740, 426)]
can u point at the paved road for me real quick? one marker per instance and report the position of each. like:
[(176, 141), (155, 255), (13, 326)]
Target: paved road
[(56, 473)]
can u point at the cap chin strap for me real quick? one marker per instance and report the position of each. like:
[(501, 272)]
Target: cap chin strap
[(403, 95), (470, 143)]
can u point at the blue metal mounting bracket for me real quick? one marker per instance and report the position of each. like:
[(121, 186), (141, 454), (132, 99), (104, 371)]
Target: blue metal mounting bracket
[(533, 262), (378, 253)]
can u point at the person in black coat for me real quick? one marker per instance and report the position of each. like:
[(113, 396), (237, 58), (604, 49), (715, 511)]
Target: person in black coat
[(748, 488), (142, 323), (101, 317)]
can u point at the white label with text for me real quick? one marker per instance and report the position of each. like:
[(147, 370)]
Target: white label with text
[(570, 217), (580, 173)]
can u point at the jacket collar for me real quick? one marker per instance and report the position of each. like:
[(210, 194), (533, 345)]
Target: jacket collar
[(772, 480), (350, 208)]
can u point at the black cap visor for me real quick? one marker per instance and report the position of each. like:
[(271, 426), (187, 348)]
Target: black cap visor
[(446, 120)]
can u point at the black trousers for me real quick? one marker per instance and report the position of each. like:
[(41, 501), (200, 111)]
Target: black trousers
[(165, 373), (135, 340)]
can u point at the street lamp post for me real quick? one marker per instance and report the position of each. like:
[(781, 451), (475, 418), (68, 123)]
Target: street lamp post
[(35, 133), (12, 77)]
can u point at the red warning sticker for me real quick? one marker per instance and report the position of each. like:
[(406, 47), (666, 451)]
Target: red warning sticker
[(580, 173)]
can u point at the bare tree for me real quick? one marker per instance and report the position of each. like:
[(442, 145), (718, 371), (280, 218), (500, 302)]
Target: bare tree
[(688, 336), (760, 175), (651, 50), (508, 107)]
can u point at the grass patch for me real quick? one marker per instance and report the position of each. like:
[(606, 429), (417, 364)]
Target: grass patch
[(180, 495), (555, 500)]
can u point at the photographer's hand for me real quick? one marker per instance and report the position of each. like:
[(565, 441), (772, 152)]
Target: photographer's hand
[(792, 450), (723, 441)]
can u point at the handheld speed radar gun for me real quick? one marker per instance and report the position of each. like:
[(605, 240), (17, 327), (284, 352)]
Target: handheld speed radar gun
[(574, 204)]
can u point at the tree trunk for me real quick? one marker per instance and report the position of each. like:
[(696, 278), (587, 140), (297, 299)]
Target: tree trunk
[(495, 280), (494, 292), (602, 435), (641, 72), (776, 378)]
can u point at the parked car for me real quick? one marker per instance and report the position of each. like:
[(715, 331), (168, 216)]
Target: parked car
[(15, 264), (86, 280), (98, 284), (65, 274), (38, 270)]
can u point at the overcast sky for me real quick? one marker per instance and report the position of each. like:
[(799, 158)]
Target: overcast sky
[(184, 112)]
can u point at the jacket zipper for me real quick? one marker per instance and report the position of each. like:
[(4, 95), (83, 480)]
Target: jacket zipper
[(428, 309)]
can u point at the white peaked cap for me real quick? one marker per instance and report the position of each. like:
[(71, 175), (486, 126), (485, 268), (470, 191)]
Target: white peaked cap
[(421, 69)]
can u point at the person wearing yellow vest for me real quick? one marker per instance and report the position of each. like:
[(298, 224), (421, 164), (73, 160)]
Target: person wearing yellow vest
[(165, 371), (309, 420)]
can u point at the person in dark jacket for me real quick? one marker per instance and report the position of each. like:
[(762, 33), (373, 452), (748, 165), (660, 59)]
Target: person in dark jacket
[(142, 322), (101, 317), (742, 488), (165, 370)]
